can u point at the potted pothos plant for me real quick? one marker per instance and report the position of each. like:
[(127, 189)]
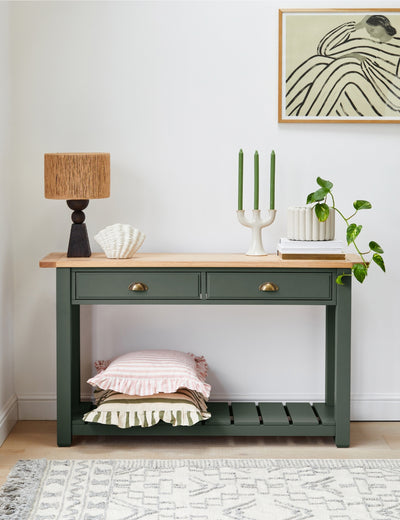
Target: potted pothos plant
[(322, 209)]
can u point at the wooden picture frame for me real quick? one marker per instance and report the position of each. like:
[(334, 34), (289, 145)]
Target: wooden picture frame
[(339, 66)]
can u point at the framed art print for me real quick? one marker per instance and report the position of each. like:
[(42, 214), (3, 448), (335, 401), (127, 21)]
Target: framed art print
[(339, 66)]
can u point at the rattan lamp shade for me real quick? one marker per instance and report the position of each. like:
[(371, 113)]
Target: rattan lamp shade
[(76, 176)]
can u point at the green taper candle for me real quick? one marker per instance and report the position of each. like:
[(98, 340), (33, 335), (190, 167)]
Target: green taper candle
[(272, 182), (256, 180), (240, 188)]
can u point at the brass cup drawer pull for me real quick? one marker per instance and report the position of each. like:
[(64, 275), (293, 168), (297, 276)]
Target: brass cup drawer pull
[(268, 287), (138, 287)]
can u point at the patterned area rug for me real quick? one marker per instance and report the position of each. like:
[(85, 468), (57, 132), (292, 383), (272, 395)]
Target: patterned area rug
[(257, 489)]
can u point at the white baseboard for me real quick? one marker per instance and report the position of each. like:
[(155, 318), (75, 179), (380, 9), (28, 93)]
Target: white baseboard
[(37, 407), (8, 417), (40, 407), (371, 407), (375, 407)]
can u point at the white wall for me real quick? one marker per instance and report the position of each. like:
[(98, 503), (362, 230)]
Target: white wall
[(172, 90), (8, 401)]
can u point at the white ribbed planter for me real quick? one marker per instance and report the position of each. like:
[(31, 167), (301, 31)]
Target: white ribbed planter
[(303, 224)]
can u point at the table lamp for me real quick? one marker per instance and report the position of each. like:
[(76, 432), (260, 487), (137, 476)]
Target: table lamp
[(76, 178)]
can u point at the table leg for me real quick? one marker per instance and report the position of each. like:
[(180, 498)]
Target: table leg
[(330, 355), (68, 362), (342, 363)]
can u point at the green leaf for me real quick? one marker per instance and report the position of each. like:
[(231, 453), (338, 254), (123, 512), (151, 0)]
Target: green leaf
[(324, 184), (322, 212), (375, 247), (318, 195), (360, 272), (339, 279), (352, 232), (379, 260), (362, 204), (310, 198)]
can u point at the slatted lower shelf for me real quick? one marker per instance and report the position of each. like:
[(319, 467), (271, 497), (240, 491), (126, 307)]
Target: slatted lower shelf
[(236, 419)]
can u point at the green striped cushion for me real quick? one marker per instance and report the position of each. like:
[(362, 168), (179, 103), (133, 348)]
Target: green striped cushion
[(183, 408)]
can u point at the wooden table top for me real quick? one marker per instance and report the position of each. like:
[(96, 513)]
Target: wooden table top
[(194, 260)]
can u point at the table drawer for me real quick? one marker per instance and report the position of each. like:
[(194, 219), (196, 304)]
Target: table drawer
[(136, 286), (269, 285)]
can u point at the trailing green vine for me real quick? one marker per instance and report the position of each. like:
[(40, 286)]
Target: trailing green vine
[(353, 230)]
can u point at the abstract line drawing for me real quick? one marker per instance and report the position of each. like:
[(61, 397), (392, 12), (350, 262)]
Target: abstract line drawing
[(353, 75)]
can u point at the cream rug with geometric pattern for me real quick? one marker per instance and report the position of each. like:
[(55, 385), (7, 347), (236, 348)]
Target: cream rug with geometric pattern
[(232, 489)]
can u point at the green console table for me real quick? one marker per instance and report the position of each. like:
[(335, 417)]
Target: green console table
[(208, 279)]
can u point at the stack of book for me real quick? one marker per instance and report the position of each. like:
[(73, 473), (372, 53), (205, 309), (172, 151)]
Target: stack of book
[(311, 249)]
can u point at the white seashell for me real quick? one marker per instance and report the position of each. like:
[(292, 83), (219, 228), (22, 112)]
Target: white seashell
[(120, 240)]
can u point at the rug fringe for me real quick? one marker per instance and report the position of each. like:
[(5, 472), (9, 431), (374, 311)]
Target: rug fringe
[(19, 492)]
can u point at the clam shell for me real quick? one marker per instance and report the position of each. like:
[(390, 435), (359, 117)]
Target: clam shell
[(120, 240)]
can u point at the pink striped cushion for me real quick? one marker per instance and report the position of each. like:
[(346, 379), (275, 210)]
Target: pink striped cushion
[(148, 372)]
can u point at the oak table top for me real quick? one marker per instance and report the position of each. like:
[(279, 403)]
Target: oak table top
[(194, 260)]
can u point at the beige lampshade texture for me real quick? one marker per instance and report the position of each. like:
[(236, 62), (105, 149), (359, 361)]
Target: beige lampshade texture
[(74, 176)]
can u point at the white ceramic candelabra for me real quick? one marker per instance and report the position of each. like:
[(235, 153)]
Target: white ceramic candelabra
[(256, 224)]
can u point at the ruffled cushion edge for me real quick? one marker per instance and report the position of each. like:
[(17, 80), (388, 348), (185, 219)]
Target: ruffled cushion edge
[(201, 366), (146, 419)]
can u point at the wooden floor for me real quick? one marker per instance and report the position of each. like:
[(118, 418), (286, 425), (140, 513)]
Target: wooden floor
[(37, 439)]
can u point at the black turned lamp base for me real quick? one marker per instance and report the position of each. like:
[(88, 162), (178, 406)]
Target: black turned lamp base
[(78, 240)]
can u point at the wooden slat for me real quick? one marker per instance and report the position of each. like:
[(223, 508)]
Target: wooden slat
[(245, 413), (301, 413), (326, 413), (193, 260), (273, 413), (220, 414)]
